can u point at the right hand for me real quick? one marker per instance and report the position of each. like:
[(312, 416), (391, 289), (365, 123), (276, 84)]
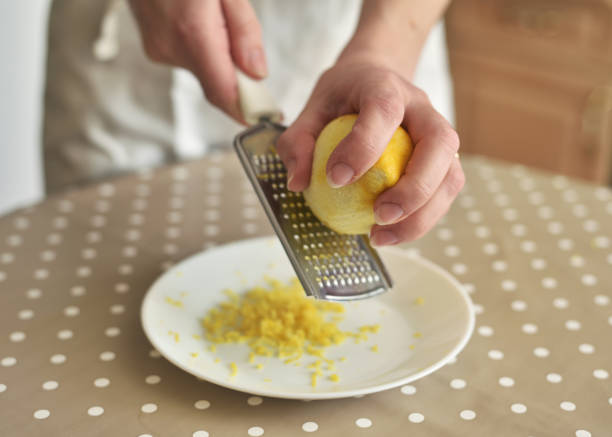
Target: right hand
[(210, 38)]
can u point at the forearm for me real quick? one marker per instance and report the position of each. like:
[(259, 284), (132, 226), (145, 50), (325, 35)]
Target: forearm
[(393, 32)]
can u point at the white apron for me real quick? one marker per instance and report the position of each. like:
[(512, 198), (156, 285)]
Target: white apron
[(109, 110)]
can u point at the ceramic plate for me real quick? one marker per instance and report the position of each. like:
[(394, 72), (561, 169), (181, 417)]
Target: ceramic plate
[(425, 320)]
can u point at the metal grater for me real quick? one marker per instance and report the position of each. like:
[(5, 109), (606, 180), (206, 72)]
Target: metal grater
[(329, 265)]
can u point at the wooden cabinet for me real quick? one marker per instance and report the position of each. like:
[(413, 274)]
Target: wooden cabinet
[(533, 82)]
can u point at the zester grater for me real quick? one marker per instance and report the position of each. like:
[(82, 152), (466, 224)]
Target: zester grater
[(329, 265)]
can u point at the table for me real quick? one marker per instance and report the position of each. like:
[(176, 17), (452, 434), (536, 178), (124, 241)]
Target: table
[(532, 249)]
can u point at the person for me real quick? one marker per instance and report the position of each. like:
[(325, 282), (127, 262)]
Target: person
[(110, 110)]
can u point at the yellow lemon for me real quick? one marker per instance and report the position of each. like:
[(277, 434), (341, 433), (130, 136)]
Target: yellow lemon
[(350, 209)]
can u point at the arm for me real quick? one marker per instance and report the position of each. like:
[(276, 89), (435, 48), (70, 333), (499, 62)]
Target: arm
[(372, 77)]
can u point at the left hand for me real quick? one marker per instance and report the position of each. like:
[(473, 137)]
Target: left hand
[(384, 101)]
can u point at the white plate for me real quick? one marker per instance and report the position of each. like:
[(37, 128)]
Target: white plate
[(444, 320)]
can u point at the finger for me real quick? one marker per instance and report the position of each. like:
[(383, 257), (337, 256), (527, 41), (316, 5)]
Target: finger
[(419, 223), (245, 37), (380, 113), (203, 32), (296, 145), (435, 146)]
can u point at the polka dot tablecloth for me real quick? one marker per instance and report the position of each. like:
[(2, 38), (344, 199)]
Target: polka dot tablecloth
[(532, 249)]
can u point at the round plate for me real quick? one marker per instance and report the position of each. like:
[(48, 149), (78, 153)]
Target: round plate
[(425, 320)]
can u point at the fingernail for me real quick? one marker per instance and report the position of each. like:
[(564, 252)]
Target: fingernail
[(384, 238), (258, 62), (340, 175), (388, 213), (290, 171)]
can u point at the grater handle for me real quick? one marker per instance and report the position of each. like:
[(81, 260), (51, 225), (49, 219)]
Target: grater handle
[(256, 102)]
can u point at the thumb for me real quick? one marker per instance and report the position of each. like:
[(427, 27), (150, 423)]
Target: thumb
[(245, 37)]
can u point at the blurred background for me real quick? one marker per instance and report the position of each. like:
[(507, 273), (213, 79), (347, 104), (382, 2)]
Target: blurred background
[(532, 84)]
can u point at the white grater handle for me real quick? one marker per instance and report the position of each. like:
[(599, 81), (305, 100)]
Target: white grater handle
[(256, 102)]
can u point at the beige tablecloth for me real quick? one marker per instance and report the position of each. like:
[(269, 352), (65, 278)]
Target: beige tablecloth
[(533, 250)]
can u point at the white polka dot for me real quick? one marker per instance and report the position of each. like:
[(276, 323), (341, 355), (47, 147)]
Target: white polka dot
[(565, 244), (98, 221), (122, 288), (58, 359), (254, 401), (125, 269), (510, 214), (8, 361), (136, 219), (14, 240), (3, 389), (490, 248), (310, 426), (34, 293), (466, 201), (145, 435), (482, 232), (582, 433), (535, 198), (458, 384), (499, 266), (501, 200), (47, 255), (41, 414), (538, 264), (467, 415), (103, 206), (506, 381), (41, 274), (153, 353), (555, 228), (93, 237), (545, 212), (101, 382), (478, 309), (586, 348), (7, 258), (50, 385), (577, 261), (589, 280), (518, 230), (408, 390), (107, 356), (117, 309), (249, 228), (173, 232), (495, 354), (549, 282), (149, 408), (444, 234), (255, 431), (508, 285), (459, 268), (201, 404), (601, 374), (153, 379), (541, 352), (568, 406), (25, 314), (452, 251), (129, 251), (71, 311), (573, 325), (200, 433), (95, 411), (601, 242), (65, 334), (77, 291), (518, 408), (590, 225), (416, 417), (529, 328), (474, 216), (106, 190), (601, 300), (17, 336), (469, 288), (560, 303), (113, 331), (518, 305), (554, 378), (485, 331)]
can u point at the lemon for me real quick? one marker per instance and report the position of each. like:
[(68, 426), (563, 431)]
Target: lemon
[(350, 209)]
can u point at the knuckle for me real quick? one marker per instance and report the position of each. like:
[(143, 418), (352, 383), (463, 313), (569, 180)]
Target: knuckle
[(449, 139), (422, 191), (367, 147), (156, 49), (455, 181), (247, 26), (389, 104), (417, 227)]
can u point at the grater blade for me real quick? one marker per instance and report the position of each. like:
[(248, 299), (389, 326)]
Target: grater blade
[(329, 265)]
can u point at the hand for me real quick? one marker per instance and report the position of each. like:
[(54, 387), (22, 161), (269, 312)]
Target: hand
[(209, 38), (384, 100)]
